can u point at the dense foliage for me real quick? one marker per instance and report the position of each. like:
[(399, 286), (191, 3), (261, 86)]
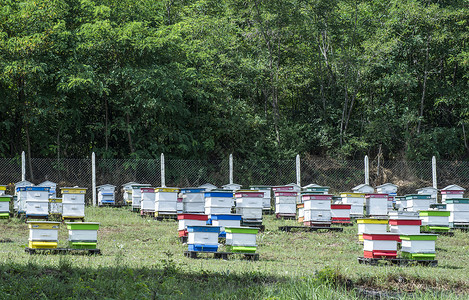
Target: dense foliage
[(256, 78)]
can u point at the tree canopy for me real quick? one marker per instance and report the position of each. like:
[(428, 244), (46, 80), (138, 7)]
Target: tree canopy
[(262, 79)]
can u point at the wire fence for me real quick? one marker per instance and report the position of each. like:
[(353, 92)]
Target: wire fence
[(339, 175)]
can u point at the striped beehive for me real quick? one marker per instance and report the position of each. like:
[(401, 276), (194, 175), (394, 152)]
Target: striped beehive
[(228, 220), (405, 224), (82, 235), (452, 191), (317, 209), (340, 213), (43, 234), (418, 202), (285, 202), (106, 194), (380, 245), (241, 239)]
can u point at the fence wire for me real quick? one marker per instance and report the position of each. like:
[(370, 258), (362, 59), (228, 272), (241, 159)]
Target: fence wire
[(339, 175)]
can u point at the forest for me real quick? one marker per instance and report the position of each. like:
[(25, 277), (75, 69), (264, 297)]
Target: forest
[(262, 79)]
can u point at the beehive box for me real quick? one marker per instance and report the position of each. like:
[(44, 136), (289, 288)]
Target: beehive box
[(267, 190), (36, 201), (224, 220), (218, 202), (433, 192), (363, 188), (417, 202), (43, 234), (127, 192), (52, 188), (405, 226), (147, 199), (357, 200), (418, 246), (317, 189), (5, 206), (387, 188), (82, 235), (300, 207), (232, 187), (285, 202), (340, 213), (186, 219), (376, 204), (55, 206), (241, 239), (193, 200), (137, 194), (435, 220), (459, 209), (3, 189), (73, 202), (380, 245), (371, 225), (452, 191), (203, 238), (106, 194), (166, 200)]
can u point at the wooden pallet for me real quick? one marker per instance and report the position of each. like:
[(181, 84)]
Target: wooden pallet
[(342, 224), (146, 213), (221, 255), (396, 261), (309, 228), (258, 225), (61, 251)]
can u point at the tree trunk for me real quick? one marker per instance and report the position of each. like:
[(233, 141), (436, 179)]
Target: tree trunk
[(129, 134), (424, 88)]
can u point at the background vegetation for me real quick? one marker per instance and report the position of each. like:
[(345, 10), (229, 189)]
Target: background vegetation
[(263, 79)]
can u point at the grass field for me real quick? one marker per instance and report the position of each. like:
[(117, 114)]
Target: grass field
[(143, 259)]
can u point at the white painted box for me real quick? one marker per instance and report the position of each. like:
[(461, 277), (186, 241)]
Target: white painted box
[(43, 234), (73, 210), (249, 212), (317, 215), (37, 208), (217, 210), (317, 204), (389, 245), (285, 208)]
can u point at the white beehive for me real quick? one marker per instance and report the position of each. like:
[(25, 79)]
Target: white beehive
[(241, 239), (363, 188), (127, 192), (185, 220), (405, 224), (249, 204), (429, 190), (218, 202), (285, 202), (147, 199), (376, 204), (203, 238), (452, 191), (166, 200), (52, 188), (73, 202), (371, 225), (5, 206), (382, 245), (418, 246), (20, 204), (43, 234), (193, 200), (137, 195), (357, 200), (106, 194), (267, 190), (36, 201), (459, 209), (340, 213), (418, 202), (232, 187)]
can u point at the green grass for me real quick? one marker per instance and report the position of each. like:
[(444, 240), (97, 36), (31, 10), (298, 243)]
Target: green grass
[(143, 258)]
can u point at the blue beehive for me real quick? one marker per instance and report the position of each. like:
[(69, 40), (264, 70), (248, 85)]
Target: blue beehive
[(203, 238), (223, 221)]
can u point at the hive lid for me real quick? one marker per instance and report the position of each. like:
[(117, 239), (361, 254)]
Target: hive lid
[(48, 183), (208, 186), (419, 237), (226, 217), (457, 201), (222, 194), (352, 195), (435, 213), (73, 190), (365, 188), (453, 187), (33, 188), (372, 221), (240, 229), (105, 185), (385, 236), (203, 228)]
